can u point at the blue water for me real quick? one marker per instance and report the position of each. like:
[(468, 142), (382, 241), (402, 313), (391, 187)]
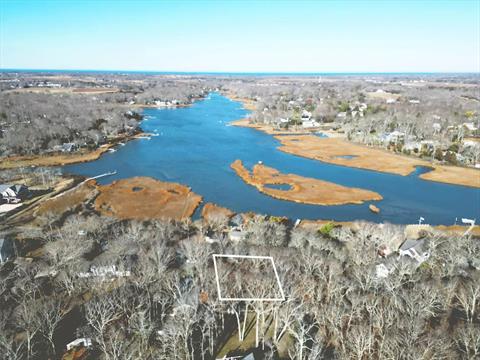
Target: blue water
[(195, 147)]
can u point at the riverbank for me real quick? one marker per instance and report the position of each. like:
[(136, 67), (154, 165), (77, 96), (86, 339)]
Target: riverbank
[(337, 150), (61, 159), (341, 152), (302, 190)]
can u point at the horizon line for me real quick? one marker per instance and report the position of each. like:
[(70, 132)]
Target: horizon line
[(242, 72)]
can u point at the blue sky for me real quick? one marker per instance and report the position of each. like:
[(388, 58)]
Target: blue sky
[(242, 36)]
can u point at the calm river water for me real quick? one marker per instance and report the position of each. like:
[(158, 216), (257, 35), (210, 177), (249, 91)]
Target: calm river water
[(195, 146)]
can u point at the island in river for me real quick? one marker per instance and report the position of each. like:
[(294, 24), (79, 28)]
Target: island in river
[(301, 189)]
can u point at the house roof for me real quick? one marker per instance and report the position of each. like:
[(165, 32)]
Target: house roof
[(412, 244), (4, 187)]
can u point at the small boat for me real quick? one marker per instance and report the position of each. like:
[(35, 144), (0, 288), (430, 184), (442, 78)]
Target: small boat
[(112, 150)]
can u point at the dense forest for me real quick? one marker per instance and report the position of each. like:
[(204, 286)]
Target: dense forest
[(157, 298)]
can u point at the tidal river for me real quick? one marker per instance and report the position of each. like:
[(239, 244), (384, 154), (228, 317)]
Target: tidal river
[(195, 146)]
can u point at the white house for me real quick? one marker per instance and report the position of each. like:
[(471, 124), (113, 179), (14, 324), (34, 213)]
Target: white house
[(394, 136), (436, 127), (381, 271), (310, 124), (102, 272), (470, 126), (13, 193), (85, 342), (306, 115)]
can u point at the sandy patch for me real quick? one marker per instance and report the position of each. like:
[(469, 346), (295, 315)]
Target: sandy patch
[(302, 189), (145, 198)]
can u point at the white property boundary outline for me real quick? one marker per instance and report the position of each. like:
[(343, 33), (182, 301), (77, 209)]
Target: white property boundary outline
[(215, 256)]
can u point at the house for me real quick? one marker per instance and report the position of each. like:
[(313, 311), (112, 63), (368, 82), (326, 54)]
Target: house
[(236, 221), (66, 147), (306, 115), (415, 249), (7, 250), (310, 124), (236, 234), (85, 342), (381, 271), (395, 136), (470, 126), (13, 193), (103, 272), (391, 101), (437, 127), (69, 147), (414, 101)]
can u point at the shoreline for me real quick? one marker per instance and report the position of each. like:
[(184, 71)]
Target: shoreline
[(302, 189), (83, 155), (62, 159), (333, 150)]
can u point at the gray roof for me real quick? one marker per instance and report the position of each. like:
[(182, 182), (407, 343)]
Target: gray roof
[(412, 244), (4, 187)]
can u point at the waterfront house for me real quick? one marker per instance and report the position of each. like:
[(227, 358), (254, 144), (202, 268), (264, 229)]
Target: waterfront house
[(310, 124), (393, 137), (415, 249), (66, 147), (13, 193)]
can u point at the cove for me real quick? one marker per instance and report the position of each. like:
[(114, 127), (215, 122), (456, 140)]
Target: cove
[(196, 145)]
